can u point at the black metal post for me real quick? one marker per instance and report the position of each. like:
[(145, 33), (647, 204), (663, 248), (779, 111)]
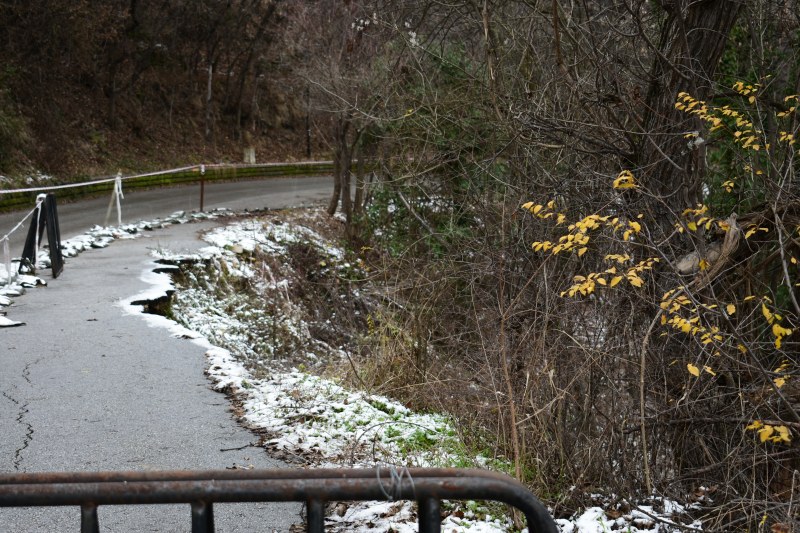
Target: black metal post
[(315, 516), (89, 521), (429, 516), (202, 517)]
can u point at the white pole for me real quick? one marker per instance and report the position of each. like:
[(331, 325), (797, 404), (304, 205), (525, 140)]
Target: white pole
[(7, 257), (119, 196)]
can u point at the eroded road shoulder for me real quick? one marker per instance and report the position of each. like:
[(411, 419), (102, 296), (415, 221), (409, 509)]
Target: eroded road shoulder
[(86, 387)]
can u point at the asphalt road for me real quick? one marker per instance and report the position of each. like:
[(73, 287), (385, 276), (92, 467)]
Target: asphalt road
[(75, 218), (85, 386)]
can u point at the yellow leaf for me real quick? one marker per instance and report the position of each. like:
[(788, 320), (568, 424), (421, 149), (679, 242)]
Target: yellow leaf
[(779, 382), (636, 281), (703, 264), (615, 280), (625, 180), (783, 434), (751, 99), (767, 313), (742, 348), (693, 370), (780, 331), (582, 251), (692, 226), (709, 370), (527, 205), (756, 424), (731, 309), (765, 433), (536, 209)]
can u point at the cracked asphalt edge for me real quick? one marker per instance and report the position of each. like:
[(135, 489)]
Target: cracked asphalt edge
[(21, 415)]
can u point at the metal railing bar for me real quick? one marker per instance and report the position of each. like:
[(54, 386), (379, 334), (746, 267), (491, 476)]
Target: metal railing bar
[(267, 473), (120, 493), (318, 486)]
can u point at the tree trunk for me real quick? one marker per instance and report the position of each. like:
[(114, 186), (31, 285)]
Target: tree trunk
[(358, 200), (209, 94), (346, 159), (340, 157), (337, 187), (693, 39)]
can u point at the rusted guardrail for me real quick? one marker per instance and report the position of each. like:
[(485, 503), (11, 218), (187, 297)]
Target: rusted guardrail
[(202, 489)]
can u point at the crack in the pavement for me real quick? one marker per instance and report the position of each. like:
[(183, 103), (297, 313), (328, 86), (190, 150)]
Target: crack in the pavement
[(28, 436), (23, 410), (26, 372)]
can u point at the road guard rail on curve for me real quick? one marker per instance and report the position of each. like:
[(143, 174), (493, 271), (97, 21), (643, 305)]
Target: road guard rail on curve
[(202, 489), (13, 199)]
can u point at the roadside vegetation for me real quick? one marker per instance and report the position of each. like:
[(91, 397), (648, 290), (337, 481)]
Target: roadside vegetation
[(579, 222), (585, 221)]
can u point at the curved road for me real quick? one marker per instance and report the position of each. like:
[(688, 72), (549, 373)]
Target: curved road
[(86, 386), (75, 218)]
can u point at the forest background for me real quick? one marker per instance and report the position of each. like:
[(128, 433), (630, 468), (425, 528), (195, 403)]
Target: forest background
[(583, 213)]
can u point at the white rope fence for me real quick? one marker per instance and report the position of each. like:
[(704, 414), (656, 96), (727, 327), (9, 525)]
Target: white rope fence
[(196, 168), (117, 195), (118, 177)]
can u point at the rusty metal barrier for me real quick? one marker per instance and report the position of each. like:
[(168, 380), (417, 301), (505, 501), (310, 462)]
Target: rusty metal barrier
[(201, 489)]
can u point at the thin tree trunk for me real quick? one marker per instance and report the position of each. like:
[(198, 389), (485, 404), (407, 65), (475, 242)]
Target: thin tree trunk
[(337, 186), (358, 200), (339, 155), (209, 94), (692, 42), (344, 168)]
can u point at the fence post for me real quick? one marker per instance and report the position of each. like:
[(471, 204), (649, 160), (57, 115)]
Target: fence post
[(116, 195), (202, 186)]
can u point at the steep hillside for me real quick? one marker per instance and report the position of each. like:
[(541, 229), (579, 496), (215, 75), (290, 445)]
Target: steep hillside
[(88, 90)]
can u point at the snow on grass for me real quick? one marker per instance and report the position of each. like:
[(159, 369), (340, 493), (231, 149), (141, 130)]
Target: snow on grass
[(305, 415)]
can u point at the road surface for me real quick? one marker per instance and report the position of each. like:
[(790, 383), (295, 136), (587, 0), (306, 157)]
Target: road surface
[(75, 218), (85, 386)]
